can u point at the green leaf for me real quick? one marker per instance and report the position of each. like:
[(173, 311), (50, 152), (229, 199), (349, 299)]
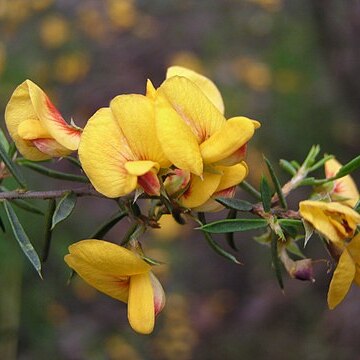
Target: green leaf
[(230, 236), (233, 225), (151, 261), (290, 230), (276, 183), (107, 225), (2, 226), (357, 207), (265, 194), (74, 161), (348, 168), (288, 167), (21, 237), (48, 228), (12, 167), (290, 222), (52, 173), (235, 204), (3, 141), (64, 208), (276, 261), (250, 189)]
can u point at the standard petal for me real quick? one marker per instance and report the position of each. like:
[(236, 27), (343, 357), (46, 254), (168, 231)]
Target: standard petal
[(49, 116), (344, 187), (103, 152), (110, 284), (20, 109), (141, 312), (136, 117), (140, 167), (107, 257), (235, 133), (341, 280), (232, 175), (193, 106), (150, 90), (354, 248), (178, 142), (200, 190), (205, 84)]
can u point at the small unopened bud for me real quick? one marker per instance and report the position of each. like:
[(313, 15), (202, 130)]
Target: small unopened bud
[(298, 269), (177, 181)]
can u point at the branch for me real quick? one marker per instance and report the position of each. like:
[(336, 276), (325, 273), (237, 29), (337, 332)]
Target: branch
[(50, 194)]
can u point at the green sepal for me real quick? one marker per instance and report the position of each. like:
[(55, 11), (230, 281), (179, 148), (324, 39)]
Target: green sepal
[(64, 208), (22, 238)]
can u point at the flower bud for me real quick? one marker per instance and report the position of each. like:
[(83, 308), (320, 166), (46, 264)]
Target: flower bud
[(177, 181)]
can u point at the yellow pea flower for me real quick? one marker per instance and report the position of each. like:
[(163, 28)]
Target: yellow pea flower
[(37, 127), (121, 274), (190, 124), (196, 137), (347, 271), (335, 221), (344, 187), (119, 149)]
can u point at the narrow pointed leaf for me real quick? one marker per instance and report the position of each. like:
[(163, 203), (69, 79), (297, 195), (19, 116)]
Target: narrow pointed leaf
[(21, 237), (250, 189), (2, 226), (12, 167), (4, 142), (288, 167), (293, 248), (235, 204), (151, 261), (265, 194), (276, 261), (64, 208), (52, 173), (348, 168), (107, 225), (230, 236), (276, 183), (357, 207), (233, 225), (48, 228)]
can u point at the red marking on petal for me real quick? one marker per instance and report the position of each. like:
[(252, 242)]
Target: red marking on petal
[(226, 193), (150, 183)]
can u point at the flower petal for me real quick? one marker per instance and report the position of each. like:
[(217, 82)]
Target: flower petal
[(103, 152), (341, 280), (141, 312), (51, 147), (193, 106), (354, 248), (49, 116), (108, 257), (140, 167), (20, 109), (205, 84), (232, 175), (159, 294), (177, 140), (228, 139), (150, 90), (200, 190), (32, 129), (344, 187), (136, 117)]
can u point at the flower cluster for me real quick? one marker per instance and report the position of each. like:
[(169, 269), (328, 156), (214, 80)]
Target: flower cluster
[(173, 142), (336, 221)]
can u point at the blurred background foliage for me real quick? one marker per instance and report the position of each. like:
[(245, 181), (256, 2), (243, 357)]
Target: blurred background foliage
[(293, 65)]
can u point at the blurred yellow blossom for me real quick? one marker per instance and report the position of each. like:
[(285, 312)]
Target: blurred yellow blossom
[(54, 31), (188, 60), (117, 348), (40, 5), (91, 22), (71, 68), (253, 73), (169, 228), (122, 13)]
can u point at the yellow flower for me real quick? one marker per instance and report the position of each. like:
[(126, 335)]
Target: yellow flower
[(54, 31), (347, 271), (195, 136), (119, 149), (121, 274), (335, 221), (37, 127), (345, 189)]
